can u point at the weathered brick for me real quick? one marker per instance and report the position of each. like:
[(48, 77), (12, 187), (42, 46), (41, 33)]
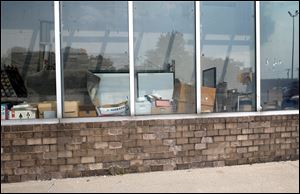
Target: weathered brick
[(5, 157), (27, 163), (182, 141), (230, 138), (149, 136), (88, 160), (100, 145), (115, 145), (264, 136), (169, 142), (182, 128), (235, 143), (73, 160), (96, 166), (286, 134), (247, 143), (19, 142), (200, 133), (21, 171), (258, 130), (241, 150), (12, 164), (115, 131), (64, 168), (64, 154), (34, 141), (269, 130), (280, 129), (212, 133), (129, 156), (247, 131), (242, 137), (235, 131), (224, 132), (200, 146), (258, 142), (219, 138), (188, 134), (231, 125), (285, 146), (242, 125), (49, 140), (219, 126), (253, 149), (207, 140), (253, 136), (136, 162)]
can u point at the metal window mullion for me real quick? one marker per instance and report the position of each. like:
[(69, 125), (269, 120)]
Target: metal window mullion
[(257, 54), (58, 66), (131, 58), (198, 58)]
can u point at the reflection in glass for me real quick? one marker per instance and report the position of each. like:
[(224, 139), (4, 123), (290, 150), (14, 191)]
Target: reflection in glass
[(279, 55), (164, 47), (95, 58), (27, 60), (227, 47)]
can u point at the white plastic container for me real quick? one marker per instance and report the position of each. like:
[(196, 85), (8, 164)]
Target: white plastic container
[(142, 106)]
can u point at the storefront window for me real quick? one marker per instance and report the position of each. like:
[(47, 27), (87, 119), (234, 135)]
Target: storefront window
[(28, 86), (227, 56), (95, 58), (164, 50), (279, 55)]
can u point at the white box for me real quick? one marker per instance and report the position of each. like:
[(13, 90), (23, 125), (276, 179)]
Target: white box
[(143, 107), (22, 114)]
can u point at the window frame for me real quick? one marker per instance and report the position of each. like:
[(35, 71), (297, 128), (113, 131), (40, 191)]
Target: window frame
[(132, 92)]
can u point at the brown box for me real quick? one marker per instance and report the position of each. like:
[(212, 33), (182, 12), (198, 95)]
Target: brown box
[(184, 92), (46, 106), (87, 111), (207, 108), (71, 108), (162, 110), (185, 107), (208, 96)]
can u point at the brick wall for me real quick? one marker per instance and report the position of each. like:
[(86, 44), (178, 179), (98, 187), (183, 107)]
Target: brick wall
[(42, 152)]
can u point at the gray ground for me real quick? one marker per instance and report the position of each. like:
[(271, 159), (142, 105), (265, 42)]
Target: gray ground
[(276, 177)]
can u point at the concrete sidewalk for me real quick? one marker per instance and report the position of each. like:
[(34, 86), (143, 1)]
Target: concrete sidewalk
[(275, 177)]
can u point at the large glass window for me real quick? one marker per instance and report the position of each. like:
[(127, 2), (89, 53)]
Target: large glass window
[(28, 86), (95, 58), (164, 50), (279, 55), (227, 56)]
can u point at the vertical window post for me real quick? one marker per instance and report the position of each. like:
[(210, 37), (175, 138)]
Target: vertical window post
[(58, 67), (131, 58), (257, 54), (198, 58)]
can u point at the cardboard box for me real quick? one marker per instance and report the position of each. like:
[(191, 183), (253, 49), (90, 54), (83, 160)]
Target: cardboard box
[(207, 108), (4, 112), (71, 109), (162, 110), (45, 107), (87, 111), (22, 114), (208, 96), (185, 107), (184, 92)]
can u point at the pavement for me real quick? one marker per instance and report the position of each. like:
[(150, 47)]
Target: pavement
[(274, 177)]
